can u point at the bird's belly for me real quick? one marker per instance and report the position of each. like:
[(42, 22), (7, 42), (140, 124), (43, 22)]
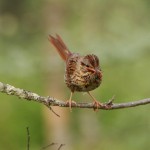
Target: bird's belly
[(82, 83)]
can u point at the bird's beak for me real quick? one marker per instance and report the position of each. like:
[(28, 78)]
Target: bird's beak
[(91, 70), (98, 73)]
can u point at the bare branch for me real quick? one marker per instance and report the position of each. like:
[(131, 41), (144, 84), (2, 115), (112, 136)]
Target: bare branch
[(50, 101)]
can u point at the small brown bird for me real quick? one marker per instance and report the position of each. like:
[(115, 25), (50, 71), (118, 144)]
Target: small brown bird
[(82, 73)]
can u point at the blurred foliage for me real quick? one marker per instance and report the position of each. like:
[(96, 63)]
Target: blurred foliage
[(117, 31)]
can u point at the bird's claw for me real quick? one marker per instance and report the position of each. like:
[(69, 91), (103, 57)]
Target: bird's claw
[(97, 105), (70, 104)]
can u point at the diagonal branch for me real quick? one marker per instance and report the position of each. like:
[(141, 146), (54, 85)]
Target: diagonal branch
[(50, 101)]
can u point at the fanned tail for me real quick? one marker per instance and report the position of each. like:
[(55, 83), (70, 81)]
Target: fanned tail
[(60, 46)]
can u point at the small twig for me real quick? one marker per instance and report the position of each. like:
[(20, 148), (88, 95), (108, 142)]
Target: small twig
[(54, 112), (110, 102), (49, 145), (61, 145), (52, 144), (48, 104), (28, 138)]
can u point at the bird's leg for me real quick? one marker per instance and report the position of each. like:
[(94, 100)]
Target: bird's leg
[(70, 101), (96, 103)]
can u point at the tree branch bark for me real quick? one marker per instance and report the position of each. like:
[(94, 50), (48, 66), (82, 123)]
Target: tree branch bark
[(50, 101)]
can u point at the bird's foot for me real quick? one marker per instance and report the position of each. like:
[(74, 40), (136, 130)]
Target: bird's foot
[(70, 104), (96, 105)]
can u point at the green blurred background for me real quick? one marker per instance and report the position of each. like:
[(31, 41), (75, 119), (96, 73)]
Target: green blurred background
[(118, 32)]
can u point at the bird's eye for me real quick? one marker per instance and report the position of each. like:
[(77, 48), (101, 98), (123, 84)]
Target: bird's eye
[(84, 64), (87, 65)]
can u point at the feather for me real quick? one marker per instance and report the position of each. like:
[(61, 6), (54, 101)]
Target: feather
[(60, 46)]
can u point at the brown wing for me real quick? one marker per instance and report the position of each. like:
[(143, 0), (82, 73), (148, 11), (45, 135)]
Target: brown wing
[(71, 71), (60, 46)]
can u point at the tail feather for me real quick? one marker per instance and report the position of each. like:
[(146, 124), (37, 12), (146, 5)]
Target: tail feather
[(60, 46)]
